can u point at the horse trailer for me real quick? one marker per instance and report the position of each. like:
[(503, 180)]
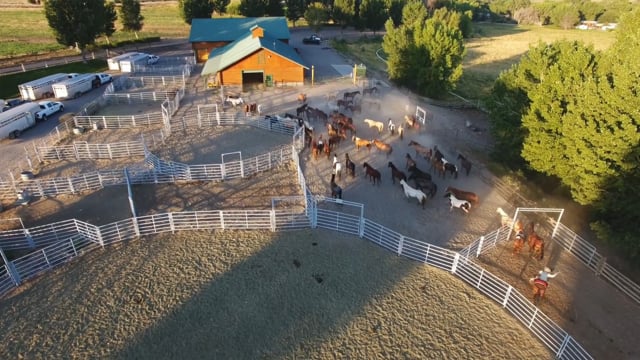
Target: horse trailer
[(114, 62), (73, 88), (128, 64), (41, 88), (15, 120)]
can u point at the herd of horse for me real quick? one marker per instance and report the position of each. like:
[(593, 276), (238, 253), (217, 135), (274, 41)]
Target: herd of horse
[(416, 184)]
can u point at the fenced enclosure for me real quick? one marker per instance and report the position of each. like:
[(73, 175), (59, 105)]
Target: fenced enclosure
[(83, 150), (570, 242)]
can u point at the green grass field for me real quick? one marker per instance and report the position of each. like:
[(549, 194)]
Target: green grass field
[(494, 48), (9, 88), (25, 31)]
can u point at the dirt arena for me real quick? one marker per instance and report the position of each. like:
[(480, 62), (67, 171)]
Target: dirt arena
[(386, 204)]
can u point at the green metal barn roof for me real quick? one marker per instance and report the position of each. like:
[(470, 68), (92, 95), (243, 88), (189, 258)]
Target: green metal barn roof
[(231, 29), (223, 57)]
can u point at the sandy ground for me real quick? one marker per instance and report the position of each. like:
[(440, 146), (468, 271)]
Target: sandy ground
[(247, 295), (385, 204)]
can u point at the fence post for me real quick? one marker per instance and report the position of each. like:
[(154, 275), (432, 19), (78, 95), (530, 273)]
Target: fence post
[(533, 317), (45, 258), (171, 223), (73, 191), (221, 219), (454, 266), (11, 269), (506, 296), (400, 243), (23, 69), (479, 251), (273, 220), (563, 346)]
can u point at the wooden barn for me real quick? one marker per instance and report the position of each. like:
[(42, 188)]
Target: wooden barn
[(209, 34), (254, 58)]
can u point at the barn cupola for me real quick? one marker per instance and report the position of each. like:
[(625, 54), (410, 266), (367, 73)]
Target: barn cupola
[(257, 31)]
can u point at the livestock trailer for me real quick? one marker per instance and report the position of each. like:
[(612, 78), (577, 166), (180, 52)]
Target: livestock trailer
[(15, 120), (114, 62), (40, 88), (128, 64), (73, 88)]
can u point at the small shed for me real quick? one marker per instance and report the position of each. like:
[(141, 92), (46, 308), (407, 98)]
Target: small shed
[(255, 58), (209, 34)]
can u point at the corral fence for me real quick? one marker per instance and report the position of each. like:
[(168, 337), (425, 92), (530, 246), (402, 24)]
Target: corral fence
[(570, 242), (83, 150), (83, 237)]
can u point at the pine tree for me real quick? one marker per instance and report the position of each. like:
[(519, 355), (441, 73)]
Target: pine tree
[(373, 14), (110, 17), (130, 15), (195, 9)]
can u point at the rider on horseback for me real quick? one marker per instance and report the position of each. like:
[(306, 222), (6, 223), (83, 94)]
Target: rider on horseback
[(543, 277)]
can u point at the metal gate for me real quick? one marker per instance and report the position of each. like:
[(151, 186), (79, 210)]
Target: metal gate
[(208, 115), (423, 115), (339, 215), (231, 168)]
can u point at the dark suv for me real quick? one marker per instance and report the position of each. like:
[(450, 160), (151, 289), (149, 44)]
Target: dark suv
[(12, 103)]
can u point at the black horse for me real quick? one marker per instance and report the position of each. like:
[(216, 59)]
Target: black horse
[(466, 164), (349, 165), (417, 173), (426, 186)]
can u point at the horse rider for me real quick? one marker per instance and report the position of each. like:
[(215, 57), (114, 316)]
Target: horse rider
[(543, 277), (392, 127)]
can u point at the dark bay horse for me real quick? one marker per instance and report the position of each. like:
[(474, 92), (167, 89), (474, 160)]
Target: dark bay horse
[(410, 162), (463, 195), (536, 243), (349, 165), (417, 173), (466, 164), (370, 91), (427, 186), (520, 237), (396, 174), (336, 191), (373, 174)]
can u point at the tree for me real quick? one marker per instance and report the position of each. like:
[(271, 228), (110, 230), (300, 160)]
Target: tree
[(130, 15), (394, 7), (344, 12), (253, 8), (373, 14), (76, 22), (110, 17), (294, 10), (274, 8), (195, 9), (220, 6), (443, 45), (316, 15)]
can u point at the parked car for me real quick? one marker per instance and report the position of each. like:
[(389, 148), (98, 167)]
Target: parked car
[(48, 108), (12, 103), (152, 59), (105, 78), (313, 39)]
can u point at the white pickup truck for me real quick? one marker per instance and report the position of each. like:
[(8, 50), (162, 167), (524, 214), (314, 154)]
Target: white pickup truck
[(48, 108)]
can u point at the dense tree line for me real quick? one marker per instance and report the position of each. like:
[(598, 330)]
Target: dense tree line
[(572, 113)]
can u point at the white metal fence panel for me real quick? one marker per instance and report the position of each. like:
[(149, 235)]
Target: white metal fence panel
[(291, 220), (15, 239), (89, 231), (118, 231), (338, 221), (6, 281), (246, 219), (381, 235), (620, 281), (120, 122), (21, 239), (31, 265), (208, 172)]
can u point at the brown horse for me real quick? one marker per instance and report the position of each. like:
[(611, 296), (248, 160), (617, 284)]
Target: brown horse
[(396, 174), (536, 244), (439, 167), (539, 288), (423, 151), (315, 150), (518, 243), (373, 174), (382, 146), (412, 122), (327, 149), (302, 98), (463, 195), (370, 91), (361, 142)]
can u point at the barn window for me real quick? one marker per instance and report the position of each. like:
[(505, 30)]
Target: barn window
[(261, 58)]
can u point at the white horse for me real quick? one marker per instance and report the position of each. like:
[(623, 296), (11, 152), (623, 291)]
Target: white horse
[(505, 219), (375, 124), (463, 205), (410, 192), (234, 101)]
